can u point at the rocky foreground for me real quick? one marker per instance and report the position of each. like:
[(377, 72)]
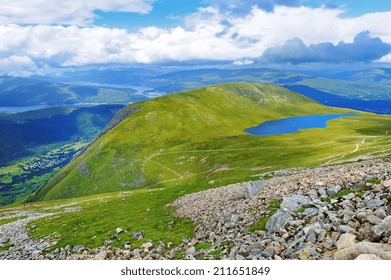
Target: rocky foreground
[(332, 212)]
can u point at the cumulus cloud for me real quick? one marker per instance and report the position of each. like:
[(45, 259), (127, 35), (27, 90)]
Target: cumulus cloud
[(77, 12), (385, 59), (207, 35), (17, 66), (364, 48)]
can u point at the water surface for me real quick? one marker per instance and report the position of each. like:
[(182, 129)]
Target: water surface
[(293, 124), (20, 109)]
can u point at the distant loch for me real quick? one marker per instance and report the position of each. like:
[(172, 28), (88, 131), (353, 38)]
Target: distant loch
[(293, 124)]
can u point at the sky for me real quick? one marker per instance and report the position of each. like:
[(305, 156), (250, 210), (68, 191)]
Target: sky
[(39, 36)]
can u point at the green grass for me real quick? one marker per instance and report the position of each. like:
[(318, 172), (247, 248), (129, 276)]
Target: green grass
[(272, 206), (217, 254), (359, 192), (10, 220), (301, 210), (343, 193), (260, 225), (203, 246), (6, 247), (373, 181), (140, 210)]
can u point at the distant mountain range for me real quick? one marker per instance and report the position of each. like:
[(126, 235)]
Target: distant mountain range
[(16, 92), (124, 85)]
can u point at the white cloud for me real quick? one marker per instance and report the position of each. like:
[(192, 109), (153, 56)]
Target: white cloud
[(385, 59), (77, 12), (17, 66), (206, 35), (244, 61)]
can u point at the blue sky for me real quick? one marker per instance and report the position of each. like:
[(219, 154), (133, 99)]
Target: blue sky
[(40, 36), (165, 13), (169, 13)]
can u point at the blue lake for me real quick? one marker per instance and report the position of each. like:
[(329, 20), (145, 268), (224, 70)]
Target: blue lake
[(293, 124)]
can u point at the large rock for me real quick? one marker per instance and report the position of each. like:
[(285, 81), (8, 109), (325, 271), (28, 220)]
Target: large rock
[(252, 188), (295, 202), (345, 229), (387, 184), (368, 257), (4, 240), (119, 230), (334, 190), (346, 240), (147, 246), (383, 228), (277, 221), (381, 213), (138, 235), (382, 251), (374, 219), (375, 203)]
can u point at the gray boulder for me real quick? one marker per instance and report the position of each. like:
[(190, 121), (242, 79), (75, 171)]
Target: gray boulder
[(138, 235), (253, 187), (295, 202), (374, 219), (383, 228), (277, 221), (346, 240), (374, 203), (387, 184), (368, 257), (334, 190), (382, 251)]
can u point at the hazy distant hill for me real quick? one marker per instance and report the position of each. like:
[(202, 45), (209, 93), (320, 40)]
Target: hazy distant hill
[(374, 106), (374, 75), (28, 92)]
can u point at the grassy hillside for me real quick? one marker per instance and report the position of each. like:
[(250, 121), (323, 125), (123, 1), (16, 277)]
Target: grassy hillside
[(197, 138)]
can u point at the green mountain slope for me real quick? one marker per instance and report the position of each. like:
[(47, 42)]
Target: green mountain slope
[(197, 138)]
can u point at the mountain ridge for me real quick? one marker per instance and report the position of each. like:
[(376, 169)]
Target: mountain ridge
[(192, 137)]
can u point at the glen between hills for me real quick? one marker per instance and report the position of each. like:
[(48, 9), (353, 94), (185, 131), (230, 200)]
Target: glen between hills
[(196, 140)]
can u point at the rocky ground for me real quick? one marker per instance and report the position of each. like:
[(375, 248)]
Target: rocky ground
[(332, 212), (338, 212)]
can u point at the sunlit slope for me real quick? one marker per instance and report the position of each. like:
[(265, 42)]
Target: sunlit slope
[(197, 137)]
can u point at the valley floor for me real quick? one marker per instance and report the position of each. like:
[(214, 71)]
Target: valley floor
[(328, 212)]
